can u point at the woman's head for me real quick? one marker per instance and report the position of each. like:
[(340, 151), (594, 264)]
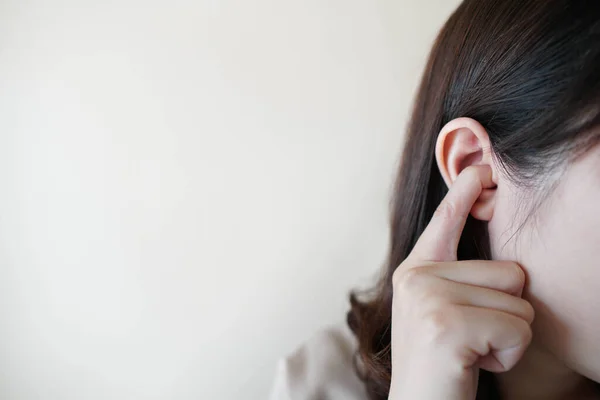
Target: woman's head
[(514, 84)]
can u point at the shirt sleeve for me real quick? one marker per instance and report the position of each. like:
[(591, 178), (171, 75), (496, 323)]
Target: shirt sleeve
[(281, 387), (320, 369)]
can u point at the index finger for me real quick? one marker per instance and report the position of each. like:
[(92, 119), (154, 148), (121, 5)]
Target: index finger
[(439, 241)]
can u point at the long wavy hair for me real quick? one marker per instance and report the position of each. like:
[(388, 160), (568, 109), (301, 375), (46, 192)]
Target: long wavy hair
[(529, 72)]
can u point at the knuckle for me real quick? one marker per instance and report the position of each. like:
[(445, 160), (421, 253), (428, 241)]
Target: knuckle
[(517, 273), (441, 322), (528, 311), (397, 275), (432, 302), (409, 279), (525, 333)]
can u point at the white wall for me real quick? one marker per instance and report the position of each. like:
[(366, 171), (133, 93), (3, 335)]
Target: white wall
[(188, 190)]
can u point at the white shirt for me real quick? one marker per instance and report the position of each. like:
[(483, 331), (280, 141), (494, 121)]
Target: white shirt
[(320, 369)]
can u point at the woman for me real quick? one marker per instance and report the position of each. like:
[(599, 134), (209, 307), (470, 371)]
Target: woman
[(491, 287)]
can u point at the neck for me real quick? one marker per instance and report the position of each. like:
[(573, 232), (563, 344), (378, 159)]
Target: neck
[(539, 375)]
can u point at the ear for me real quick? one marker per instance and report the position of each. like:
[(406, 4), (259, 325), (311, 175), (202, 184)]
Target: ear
[(463, 142)]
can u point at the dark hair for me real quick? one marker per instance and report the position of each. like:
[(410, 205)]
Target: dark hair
[(529, 72)]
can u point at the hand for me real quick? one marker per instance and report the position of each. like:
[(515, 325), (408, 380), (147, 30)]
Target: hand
[(449, 317)]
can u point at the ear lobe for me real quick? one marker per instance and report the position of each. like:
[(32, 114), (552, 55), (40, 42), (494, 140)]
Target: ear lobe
[(463, 142)]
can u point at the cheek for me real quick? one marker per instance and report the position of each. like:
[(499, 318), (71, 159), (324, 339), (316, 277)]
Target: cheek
[(560, 252), (564, 287)]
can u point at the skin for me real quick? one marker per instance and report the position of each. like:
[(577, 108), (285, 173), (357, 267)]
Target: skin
[(559, 252), (532, 315)]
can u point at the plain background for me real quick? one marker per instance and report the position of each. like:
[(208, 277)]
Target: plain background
[(188, 190)]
